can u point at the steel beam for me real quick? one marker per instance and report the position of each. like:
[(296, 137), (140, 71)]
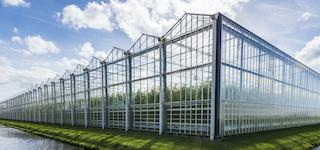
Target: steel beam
[(103, 96), (46, 99), (128, 91), (87, 97), (53, 98), (62, 92), (73, 98), (163, 86), (216, 73)]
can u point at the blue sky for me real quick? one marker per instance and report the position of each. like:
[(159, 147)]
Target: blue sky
[(39, 39)]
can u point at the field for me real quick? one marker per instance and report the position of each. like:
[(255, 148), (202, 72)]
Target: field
[(302, 138)]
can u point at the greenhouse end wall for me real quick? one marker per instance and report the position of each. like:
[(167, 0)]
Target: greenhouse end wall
[(207, 76), (262, 88)]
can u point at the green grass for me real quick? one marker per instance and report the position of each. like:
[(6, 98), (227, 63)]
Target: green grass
[(299, 138)]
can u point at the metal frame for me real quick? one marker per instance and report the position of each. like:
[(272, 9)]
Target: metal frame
[(207, 76)]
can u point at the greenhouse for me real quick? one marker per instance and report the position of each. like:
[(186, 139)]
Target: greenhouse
[(207, 76)]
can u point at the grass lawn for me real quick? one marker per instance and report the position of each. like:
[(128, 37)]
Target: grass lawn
[(304, 138)]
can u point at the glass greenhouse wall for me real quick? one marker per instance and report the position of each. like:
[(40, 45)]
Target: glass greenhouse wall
[(207, 76)]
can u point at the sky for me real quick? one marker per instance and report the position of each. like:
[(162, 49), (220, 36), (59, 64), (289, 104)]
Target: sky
[(40, 39)]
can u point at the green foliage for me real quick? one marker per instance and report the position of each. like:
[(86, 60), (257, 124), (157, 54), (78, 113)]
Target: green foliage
[(173, 93), (150, 96), (186, 93), (117, 99)]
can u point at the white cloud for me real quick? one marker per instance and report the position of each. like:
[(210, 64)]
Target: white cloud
[(141, 16), (37, 45), (4, 61), (157, 16), (13, 78), (22, 3), (25, 52), (95, 15), (24, 75), (6, 69), (17, 39), (86, 50), (34, 45), (306, 16), (101, 54), (310, 53), (71, 63), (15, 30)]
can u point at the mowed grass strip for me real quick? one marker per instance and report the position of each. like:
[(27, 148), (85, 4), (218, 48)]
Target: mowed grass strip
[(300, 138)]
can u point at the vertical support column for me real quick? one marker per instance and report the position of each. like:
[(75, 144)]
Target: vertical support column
[(87, 97), (216, 73), (46, 98), (218, 77), (62, 93), (34, 95), (43, 103), (73, 98), (30, 106), (7, 109), (106, 95), (14, 109), (15, 99), (9, 106), (103, 96), (19, 108), (54, 100), (241, 47), (163, 86), (259, 77), (128, 91), (39, 104), (33, 106), (10, 110), (23, 107), (26, 107)]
